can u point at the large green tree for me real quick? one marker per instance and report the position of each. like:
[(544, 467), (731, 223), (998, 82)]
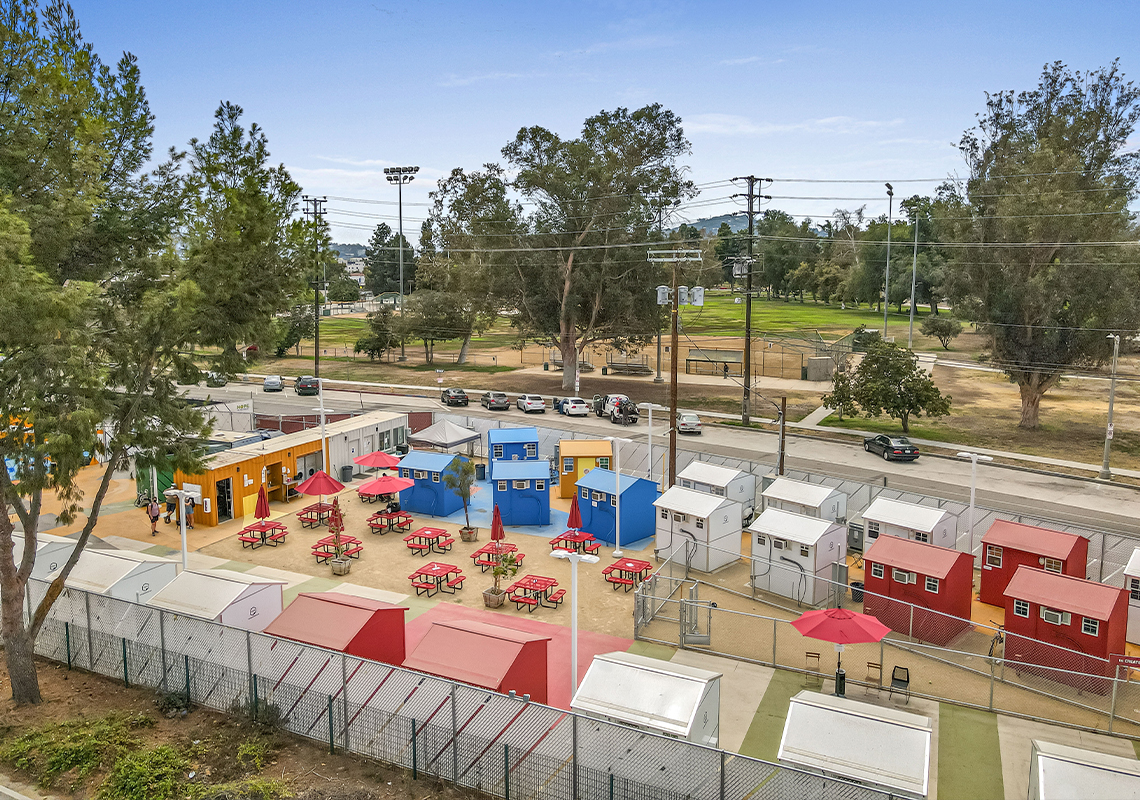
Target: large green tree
[(888, 381), (382, 262), (1049, 261)]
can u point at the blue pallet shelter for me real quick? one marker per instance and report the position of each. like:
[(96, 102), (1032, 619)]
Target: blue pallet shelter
[(512, 444), (597, 502), (521, 490), (430, 494)]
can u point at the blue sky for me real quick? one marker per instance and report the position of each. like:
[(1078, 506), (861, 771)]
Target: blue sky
[(822, 90)]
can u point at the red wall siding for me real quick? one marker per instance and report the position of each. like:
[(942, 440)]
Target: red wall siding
[(995, 579), (527, 674), (949, 609), (382, 639)]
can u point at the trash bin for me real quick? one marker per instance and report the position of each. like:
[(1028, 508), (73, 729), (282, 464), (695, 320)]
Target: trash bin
[(840, 682), (546, 366), (480, 472), (857, 591), (346, 473), (605, 370), (803, 373), (326, 312)]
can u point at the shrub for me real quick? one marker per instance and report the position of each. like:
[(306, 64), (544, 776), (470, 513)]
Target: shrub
[(75, 748), (942, 328), (155, 774)]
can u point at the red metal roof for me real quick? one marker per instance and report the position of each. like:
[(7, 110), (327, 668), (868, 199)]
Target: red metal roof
[(1063, 592), (471, 652), (925, 559), (326, 619), (1031, 539)]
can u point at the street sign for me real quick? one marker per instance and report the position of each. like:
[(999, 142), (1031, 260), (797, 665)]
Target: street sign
[(1109, 430)]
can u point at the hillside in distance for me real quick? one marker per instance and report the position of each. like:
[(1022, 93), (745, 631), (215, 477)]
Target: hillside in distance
[(736, 222), (348, 250)]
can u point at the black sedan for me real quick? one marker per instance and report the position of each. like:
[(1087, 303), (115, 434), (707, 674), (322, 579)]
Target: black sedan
[(454, 397), (892, 448)]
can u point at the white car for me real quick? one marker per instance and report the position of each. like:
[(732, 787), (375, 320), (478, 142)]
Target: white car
[(688, 422), (272, 383), (573, 407), (531, 402)]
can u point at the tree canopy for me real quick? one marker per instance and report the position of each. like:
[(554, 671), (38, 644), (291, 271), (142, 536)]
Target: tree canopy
[(888, 381)]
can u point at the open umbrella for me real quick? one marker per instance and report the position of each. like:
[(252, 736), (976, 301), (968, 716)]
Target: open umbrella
[(379, 459), (575, 521), (386, 484), (320, 484), (840, 626), (261, 511)]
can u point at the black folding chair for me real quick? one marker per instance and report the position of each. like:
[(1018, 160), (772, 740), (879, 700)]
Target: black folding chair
[(900, 680)]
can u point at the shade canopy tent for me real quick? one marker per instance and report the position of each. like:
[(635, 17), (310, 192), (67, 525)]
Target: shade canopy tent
[(648, 693), (858, 741), (122, 574), (231, 598), (357, 626), (496, 658), (444, 435), (1060, 772)]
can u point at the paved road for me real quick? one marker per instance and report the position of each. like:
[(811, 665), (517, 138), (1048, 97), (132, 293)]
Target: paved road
[(1074, 501)]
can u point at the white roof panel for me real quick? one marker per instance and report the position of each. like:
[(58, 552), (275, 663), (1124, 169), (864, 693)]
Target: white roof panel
[(789, 525), (1072, 773), (905, 515), (1133, 567), (703, 472), (98, 572), (643, 691), (205, 594), (859, 741), (812, 495), (690, 501)]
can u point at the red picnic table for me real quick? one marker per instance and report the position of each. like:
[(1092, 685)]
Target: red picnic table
[(314, 515), (434, 577), (371, 497), (484, 557), (425, 540), (262, 532), (626, 572), (383, 521), (533, 591), (575, 541), (324, 549)]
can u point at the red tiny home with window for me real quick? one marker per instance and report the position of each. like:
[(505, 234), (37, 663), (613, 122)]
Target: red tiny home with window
[(1009, 545), (901, 573), (1067, 623)]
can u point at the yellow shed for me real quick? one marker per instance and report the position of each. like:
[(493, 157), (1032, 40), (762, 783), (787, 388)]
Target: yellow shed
[(576, 457)]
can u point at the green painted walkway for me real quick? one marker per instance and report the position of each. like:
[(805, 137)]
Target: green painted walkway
[(763, 737), (969, 755)]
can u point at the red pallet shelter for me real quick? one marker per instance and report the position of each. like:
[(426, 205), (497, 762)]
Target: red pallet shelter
[(345, 623), (1009, 545)]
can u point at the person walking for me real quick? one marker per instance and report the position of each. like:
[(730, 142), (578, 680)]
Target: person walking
[(171, 509), (154, 511)]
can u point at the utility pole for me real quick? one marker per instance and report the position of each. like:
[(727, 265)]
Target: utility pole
[(400, 176), (913, 281), (1105, 472), (887, 279), (314, 207), (783, 416), (751, 197)]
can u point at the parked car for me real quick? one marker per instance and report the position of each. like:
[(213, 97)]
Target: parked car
[(272, 383), (306, 384), (495, 401), (215, 379), (688, 422), (892, 448), (531, 402), (572, 407), (604, 403), (624, 412), (453, 397)]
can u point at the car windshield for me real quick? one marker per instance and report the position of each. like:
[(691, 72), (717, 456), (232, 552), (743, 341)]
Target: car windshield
[(689, 417)]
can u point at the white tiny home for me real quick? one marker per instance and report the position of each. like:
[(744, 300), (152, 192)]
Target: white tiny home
[(1132, 584), (651, 694), (810, 499), (122, 574), (52, 553), (712, 523), (735, 484), (1060, 772), (909, 521), (231, 598), (790, 551)]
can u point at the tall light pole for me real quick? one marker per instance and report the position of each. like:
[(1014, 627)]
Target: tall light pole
[(887, 279), (974, 459), (650, 407), (617, 441), (913, 281), (574, 558), (400, 176), (182, 495), (1105, 474)]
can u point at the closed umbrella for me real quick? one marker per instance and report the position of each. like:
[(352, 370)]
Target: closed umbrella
[(261, 511), (497, 531), (575, 521), (320, 484), (841, 627), (379, 459)]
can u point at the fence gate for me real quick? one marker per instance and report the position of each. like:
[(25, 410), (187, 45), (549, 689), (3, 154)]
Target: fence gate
[(696, 620)]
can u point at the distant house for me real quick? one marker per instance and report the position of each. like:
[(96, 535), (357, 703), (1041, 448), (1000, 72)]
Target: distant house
[(521, 490), (576, 457), (1009, 545), (430, 494), (809, 499), (909, 521), (597, 502), (734, 484), (512, 444)]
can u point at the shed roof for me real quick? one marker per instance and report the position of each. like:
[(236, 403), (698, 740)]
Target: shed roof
[(802, 493), (602, 480), (512, 435), (1064, 772), (643, 691), (520, 470), (905, 515), (925, 559), (798, 528), (590, 448), (1133, 568), (98, 570), (712, 474), (237, 455), (432, 462), (690, 501), (207, 593), (327, 619), (1063, 592), (471, 652), (1031, 539)]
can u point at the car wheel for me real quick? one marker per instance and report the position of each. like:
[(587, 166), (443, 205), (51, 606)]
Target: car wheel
[(886, 456), (867, 447)]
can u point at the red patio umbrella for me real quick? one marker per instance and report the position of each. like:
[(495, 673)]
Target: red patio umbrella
[(497, 531), (320, 484), (575, 520), (379, 459), (261, 511), (387, 484), (840, 626)]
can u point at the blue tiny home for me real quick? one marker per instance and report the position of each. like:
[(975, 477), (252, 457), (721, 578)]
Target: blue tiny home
[(521, 490), (512, 444), (597, 503), (430, 494)]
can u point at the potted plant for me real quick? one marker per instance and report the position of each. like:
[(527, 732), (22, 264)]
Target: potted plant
[(459, 478), (340, 564), (506, 566)]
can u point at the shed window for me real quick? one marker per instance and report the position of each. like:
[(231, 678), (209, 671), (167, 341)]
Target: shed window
[(435, 477), (604, 462), (1134, 588), (613, 500), (531, 450), (922, 536), (567, 465), (497, 451), (718, 491), (665, 515), (872, 529), (1021, 608), (993, 556), (805, 551), (585, 493), (876, 570), (932, 584), (1053, 565), (540, 486), (420, 474), (522, 484), (502, 486), (700, 523), (1090, 626), (407, 473)]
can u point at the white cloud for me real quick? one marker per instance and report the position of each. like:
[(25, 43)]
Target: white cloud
[(632, 44), (735, 125)]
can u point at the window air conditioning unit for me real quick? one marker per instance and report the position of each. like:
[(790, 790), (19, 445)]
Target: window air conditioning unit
[(902, 576), (778, 544), (1055, 617)]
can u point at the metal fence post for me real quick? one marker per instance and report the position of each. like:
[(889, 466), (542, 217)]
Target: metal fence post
[(454, 739), (1115, 684), (332, 727), (574, 757), (721, 775), (249, 672), (162, 645), (67, 642), (1100, 577), (506, 771), (344, 696), (774, 624), (910, 627), (90, 637), (992, 670), (126, 671), (256, 702), (611, 786), (415, 765)]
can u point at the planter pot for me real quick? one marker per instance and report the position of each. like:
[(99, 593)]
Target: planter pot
[(340, 566), (468, 534), (491, 599)]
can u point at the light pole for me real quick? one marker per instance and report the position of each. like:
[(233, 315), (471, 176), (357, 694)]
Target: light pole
[(974, 459), (913, 281), (1105, 474), (887, 279), (400, 176), (650, 407), (182, 496), (617, 441), (574, 558)]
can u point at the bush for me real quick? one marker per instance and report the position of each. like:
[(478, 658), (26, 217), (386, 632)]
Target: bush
[(252, 754), (248, 789), (75, 748), (942, 328), (156, 774)]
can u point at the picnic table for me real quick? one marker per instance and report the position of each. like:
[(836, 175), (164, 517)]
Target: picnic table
[(484, 557), (262, 532), (533, 591), (383, 521), (372, 497), (314, 515), (626, 572), (576, 541), (426, 540), (436, 577), (324, 549)]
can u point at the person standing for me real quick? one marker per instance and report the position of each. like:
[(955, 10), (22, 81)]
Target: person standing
[(190, 513), (171, 509), (154, 511)]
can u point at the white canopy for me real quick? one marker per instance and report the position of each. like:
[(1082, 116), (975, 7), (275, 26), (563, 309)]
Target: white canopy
[(812, 495), (1060, 772), (689, 501), (794, 527), (905, 515), (443, 434)]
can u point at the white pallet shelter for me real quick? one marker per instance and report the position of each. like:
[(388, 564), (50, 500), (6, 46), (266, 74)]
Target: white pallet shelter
[(1060, 772), (52, 553), (710, 522), (231, 598), (122, 574), (655, 695), (789, 551), (881, 747), (811, 499), (1132, 584), (735, 484), (909, 521)]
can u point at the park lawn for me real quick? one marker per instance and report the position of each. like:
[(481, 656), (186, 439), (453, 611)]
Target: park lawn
[(343, 332)]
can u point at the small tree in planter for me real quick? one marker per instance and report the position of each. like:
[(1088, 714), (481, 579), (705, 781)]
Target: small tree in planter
[(459, 478), (506, 566), (340, 564)]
